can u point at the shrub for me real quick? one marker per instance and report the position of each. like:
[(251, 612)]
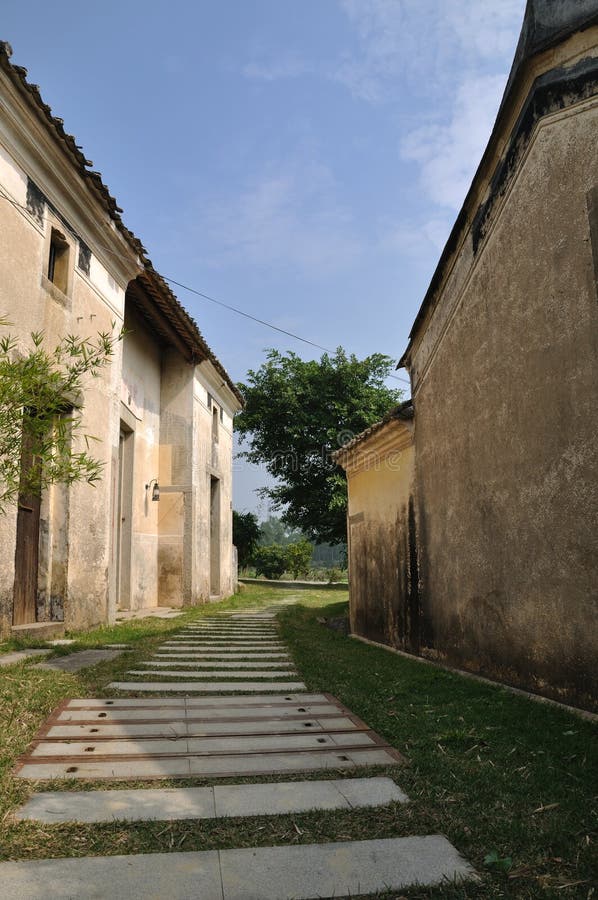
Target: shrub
[(299, 557), (271, 562)]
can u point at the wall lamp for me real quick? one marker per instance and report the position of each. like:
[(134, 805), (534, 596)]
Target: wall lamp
[(155, 489)]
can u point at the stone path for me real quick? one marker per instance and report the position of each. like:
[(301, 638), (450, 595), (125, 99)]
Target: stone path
[(269, 725)]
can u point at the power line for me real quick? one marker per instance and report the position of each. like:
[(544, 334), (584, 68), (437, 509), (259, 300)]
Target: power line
[(207, 297)]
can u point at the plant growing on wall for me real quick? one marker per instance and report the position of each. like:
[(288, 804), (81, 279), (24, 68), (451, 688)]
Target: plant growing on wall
[(41, 437)]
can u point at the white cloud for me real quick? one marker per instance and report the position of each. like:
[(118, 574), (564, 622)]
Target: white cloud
[(448, 154)]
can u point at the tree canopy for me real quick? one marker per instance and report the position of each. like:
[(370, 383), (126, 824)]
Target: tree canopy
[(246, 534), (297, 412)]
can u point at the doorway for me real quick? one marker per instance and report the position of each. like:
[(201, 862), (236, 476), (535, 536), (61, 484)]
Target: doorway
[(124, 517), (27, 546), (214, 536)]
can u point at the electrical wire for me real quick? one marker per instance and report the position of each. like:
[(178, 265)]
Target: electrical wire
[(207, 297)]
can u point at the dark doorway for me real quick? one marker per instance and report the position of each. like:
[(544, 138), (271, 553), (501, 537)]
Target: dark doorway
[(214, 536), (124, 516), (27, 548)]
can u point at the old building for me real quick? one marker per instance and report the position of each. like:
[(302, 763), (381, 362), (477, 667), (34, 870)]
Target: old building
[(157, 529), (503, 361)]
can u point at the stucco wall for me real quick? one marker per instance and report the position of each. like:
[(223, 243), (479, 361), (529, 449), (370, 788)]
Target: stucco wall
[(141, 377), (506, 425), (75, 522), (383, 579)]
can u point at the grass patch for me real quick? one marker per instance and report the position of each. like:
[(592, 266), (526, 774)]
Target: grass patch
[(512, 783)]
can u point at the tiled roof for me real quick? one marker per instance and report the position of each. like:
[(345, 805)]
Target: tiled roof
[(153, 282), (403, 412)]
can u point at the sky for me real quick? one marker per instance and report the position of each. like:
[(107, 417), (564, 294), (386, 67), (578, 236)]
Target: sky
[(302, 160)]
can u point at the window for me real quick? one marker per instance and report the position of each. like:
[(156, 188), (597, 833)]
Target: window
[(215, 424), (58, 261)]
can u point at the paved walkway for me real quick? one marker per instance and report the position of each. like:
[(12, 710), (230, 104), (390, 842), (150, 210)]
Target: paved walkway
[(244, 712)]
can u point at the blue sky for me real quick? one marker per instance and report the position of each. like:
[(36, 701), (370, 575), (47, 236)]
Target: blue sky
[(303, 160)]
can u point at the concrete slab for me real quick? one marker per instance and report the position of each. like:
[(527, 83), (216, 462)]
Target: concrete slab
[(136, 877), (232, 800), (215, 664), (210, 687), (194, 702), (340, 869), (215, 766), (181, 745), (276, 711), (301, 872), (18, 656), (216, 673), (300, 796), (81, 660), (221, 655), (187, 727)]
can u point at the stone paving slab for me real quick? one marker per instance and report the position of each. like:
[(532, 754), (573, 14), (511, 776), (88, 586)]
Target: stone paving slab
[(342, 869), (181, 744), (221, 655), (189, 727), (196, 702), (17, 656), (210, 687), (220, 801), (81, 660), (218, 663), (236, 765), (159, 715), (216, 673), (301, 872)]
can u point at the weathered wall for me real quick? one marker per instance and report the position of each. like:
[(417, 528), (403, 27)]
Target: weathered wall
[(213, 459), (141, 378), (505, 377), (176, 530), (75, 523), (384, 596)]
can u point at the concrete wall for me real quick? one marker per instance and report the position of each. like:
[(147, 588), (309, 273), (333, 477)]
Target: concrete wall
[(505, 379), (383, 579)]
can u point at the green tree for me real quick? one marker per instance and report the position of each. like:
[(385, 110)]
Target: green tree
[(246, 534), (297, 412), (270, 561), (299, 558), (41, 412), (274, 531)]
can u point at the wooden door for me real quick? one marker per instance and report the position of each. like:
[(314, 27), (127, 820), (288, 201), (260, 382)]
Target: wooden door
[(27, 548)]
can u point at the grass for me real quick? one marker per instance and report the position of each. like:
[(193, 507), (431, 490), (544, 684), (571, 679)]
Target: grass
[(512, 783)]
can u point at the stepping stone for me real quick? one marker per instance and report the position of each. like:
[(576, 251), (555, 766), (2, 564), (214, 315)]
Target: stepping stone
[(221, 801), (209, 703), (61, 642), (202, 664), (301, 872), (189, 727), (207, 687), (89, 748), (216, 766), (220, 655), (11, 659), (82, 660), (216, 673)]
